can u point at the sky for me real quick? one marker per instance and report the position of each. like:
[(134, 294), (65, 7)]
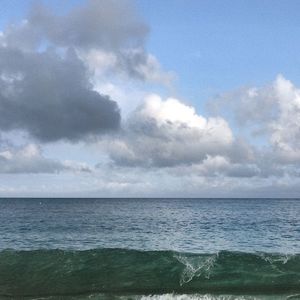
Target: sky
[(107, 98)]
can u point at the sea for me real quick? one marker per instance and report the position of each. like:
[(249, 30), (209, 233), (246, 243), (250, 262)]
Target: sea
[(149, 248)]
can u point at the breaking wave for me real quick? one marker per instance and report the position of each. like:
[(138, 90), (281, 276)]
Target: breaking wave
[(154, 275)]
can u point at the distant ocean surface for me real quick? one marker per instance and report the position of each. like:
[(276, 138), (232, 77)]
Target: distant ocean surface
[(150, 249)]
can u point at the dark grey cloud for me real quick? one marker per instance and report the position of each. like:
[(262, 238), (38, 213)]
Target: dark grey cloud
[(50, 97), (47, 64)]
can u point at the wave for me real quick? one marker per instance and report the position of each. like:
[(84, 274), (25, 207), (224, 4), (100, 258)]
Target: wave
[(45, 273)]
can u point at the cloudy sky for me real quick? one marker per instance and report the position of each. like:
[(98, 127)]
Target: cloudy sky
[(116, 98)]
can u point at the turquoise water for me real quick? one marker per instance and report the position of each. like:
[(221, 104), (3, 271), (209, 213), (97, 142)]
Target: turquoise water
[(150, 248)]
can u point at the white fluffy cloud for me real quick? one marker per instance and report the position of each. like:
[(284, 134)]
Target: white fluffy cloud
[(272, 112), (163, 133), (170, 135), (285, 129)]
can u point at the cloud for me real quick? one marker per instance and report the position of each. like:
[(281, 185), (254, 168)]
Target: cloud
[(166, 133), (132, 63), (50, 97), (219, 166), (55, 70), (272, 112), (105, 24), (51, 65), (285, 129), (107, 34), (27, 159), (170, 135)]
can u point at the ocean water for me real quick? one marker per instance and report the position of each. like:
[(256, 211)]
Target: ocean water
[(150, 249)]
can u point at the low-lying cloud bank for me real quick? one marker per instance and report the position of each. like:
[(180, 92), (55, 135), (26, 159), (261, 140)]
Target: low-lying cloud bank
[(30, 159)]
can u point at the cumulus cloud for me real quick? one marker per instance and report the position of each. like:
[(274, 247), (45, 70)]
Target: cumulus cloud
[(166, 133), (50, 97), (285, 129), (50, 65), (107, 34), (170, 135), (271, 111)]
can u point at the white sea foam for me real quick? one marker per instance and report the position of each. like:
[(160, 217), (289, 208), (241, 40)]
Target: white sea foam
[(209, 297), (196, 266)]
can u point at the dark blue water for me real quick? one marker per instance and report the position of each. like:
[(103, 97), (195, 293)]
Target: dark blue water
[(189, 225), (150, 248)]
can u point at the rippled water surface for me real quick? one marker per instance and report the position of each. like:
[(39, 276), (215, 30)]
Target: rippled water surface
[(189, 225)]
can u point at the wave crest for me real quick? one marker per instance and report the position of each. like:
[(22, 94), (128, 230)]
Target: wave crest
[(115, 271)]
